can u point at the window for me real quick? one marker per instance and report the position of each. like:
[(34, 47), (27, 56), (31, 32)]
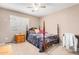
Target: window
[(18, 24)]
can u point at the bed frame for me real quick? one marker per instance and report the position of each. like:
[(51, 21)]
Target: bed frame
[(44, 44)]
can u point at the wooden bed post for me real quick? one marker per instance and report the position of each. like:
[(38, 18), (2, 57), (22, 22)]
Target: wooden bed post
[(26, 32), (44, 35), (58, 32), (39, 27), (43, 43)]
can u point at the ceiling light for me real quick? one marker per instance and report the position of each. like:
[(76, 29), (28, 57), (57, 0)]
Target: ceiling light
[(36, 6)]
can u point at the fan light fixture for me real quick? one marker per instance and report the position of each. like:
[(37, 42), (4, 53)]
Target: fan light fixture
[(36, 6)]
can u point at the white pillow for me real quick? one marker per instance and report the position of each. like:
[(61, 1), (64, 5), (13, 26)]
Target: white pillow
[(37, 30)]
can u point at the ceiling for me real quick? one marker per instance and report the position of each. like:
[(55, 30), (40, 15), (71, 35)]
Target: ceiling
[(25, 8)]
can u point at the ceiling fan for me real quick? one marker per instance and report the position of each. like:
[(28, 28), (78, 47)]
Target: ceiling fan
[(41, 5), (36, 6)]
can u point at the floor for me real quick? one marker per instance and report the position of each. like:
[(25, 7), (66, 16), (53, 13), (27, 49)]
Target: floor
[(28, 49)]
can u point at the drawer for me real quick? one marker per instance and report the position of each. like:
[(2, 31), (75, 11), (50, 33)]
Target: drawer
[(20, 38)]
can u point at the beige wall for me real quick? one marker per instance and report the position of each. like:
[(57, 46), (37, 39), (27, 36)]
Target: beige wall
[(68, 20), (5, 23)]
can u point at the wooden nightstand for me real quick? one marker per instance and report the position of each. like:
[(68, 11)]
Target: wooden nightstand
[(20, 38)]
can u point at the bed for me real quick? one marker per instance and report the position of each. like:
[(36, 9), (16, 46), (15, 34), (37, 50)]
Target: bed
[(42, 40)]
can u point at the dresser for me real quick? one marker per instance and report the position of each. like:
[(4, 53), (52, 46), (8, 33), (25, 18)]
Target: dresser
[(20, 38)]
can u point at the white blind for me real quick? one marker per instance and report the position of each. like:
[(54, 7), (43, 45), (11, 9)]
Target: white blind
[(18, 24)]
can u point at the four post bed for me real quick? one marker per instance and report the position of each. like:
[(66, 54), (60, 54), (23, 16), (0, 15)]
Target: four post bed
[(42, 41)]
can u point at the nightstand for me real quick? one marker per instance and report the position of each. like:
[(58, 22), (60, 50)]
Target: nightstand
[(20, 38)]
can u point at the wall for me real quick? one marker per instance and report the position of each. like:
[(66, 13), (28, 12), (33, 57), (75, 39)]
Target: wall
[(5, 32), (68, 20)]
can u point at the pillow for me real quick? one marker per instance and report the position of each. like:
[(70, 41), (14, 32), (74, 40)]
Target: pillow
[(37, 30), (41, 31)]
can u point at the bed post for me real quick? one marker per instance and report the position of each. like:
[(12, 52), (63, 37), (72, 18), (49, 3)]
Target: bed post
[(42, 49), (26, 32), (58, 32), (39, 27), (44, 35)]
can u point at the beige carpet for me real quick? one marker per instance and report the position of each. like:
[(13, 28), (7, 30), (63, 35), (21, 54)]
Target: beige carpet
[(59, 50), (28, 49), (5, 49)]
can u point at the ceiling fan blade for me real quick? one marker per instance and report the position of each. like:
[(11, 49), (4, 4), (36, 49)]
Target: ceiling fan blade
[(29, 7), (42, 6)]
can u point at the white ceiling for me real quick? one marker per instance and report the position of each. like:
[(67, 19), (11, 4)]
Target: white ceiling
[(23, 7)]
